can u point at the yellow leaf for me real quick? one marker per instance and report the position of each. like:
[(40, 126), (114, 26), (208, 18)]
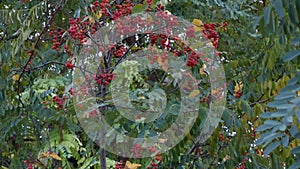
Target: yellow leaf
[(52, 155), (198, 25), (162, 141), (188, 135), (16, 77), (197, 22), (91, 19), (163, 63), (238, 87), (141, 98), (135, 48), (213, 92), (194, 93), (149, 19), (209, 44), (202, 69), (227, 157), (130, 165), (298, 93), (98, 14)]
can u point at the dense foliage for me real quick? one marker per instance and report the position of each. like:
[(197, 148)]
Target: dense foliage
[(41, 43)]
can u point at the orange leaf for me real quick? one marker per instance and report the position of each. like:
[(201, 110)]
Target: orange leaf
[(52, 155), (130, 165), (163, 63)]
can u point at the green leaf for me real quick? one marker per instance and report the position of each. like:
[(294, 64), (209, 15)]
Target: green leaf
[(256, 21), (293, 14), (279, 8), (264, 127), (296, 150), (267, 13), (271, 147), (267, 137), (294, 130), (138, 8), (285, 141), (295, 41), (273, 114), (295, 166), (246, 108), (272, 122), (291, 55)]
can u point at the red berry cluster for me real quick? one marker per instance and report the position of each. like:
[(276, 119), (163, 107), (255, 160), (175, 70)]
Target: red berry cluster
[(30, 165), (123, 10), (223, 25), (92, 113), (67, 50), (242, 165), (198, 151), (59, 101), (210, 33), (96, 5), (149, 2), (151, 149), (253, 135), (104, 6), (119, 165), (162, 39), (160, 7), (69, 65), (187, 87), (78, 29), (57, 38), (221, 137), (170, 19), (190, 32), (104, 78), (158, 157), (193, 58), (153, 58), (136, 150), (153, 39), (154, 164), (238, 94), (123, 28), (120, 51)]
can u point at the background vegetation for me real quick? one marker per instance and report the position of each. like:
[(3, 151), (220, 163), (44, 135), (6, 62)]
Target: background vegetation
[(259, 50)]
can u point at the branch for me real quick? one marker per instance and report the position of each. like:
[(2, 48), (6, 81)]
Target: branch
[(32, 54), (38, 67)]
